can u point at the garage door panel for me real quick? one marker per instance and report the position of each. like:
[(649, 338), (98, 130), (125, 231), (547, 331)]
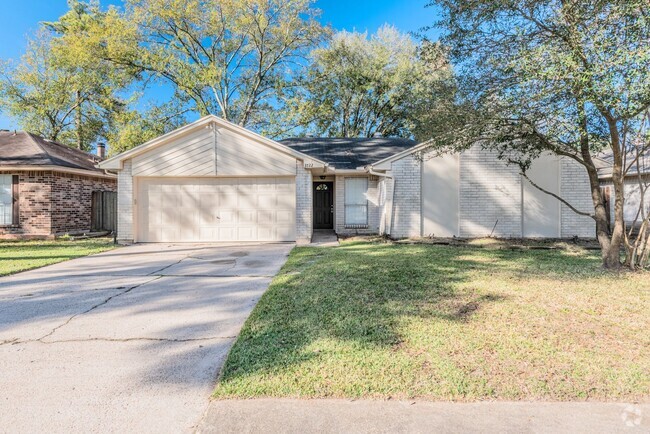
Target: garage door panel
[(246, 233), (284, 217), (268, 201), (216, 209), (265, 233), (265, 217), (227, 234), (228, 200), (284, 232)]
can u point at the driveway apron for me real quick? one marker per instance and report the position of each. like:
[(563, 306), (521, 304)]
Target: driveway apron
[(127, 340)]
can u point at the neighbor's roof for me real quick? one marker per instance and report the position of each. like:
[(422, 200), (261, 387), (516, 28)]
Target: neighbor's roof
[(605, 169), (349, 153), (25, 149)]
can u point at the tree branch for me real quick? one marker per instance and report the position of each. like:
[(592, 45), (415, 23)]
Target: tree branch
[(571, 207)]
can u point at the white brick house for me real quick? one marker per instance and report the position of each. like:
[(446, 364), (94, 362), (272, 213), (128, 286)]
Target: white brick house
[(214, 181)]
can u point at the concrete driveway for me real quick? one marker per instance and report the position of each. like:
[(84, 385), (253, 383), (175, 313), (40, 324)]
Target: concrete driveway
[(128, 340)]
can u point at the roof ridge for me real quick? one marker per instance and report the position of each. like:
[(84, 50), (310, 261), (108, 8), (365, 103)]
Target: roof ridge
[(38, 145)]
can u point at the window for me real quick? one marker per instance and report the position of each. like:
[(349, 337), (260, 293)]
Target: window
[(356, 203), (6, 200)]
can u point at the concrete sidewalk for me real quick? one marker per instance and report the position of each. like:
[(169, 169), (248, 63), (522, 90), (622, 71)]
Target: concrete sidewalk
[(343, 416)]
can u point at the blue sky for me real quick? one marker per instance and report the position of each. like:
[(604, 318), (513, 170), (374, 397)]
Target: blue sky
[(360, 15)]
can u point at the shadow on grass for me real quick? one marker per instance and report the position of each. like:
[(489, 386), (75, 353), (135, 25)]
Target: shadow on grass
[(362, 293)]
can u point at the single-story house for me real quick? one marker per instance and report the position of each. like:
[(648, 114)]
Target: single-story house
[(215, 181), (46, 187), (636, 181)]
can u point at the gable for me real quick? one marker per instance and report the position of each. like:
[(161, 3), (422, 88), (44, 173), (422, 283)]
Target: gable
[(212, 147), (189, 155), (238, 155)]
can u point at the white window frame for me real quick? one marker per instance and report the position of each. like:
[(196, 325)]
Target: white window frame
[(349, 203), (7, 209)]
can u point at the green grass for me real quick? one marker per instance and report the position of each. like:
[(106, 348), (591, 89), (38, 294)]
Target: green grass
[(16, 256), (368, 320)]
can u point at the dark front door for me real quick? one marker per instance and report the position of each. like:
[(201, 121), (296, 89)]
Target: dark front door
[(323, 205)]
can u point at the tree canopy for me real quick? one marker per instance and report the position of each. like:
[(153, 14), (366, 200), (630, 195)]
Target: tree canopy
[(562, 76), (359, 85)]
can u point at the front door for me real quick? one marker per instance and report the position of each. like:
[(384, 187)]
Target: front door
[(323, 205)]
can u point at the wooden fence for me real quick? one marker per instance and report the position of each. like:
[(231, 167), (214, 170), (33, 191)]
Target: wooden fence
[(104, 211)]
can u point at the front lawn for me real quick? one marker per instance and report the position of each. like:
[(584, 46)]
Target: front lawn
[(18, 256), (379, 320)]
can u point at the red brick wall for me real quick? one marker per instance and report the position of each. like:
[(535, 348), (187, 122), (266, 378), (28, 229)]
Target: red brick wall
[(55, 203), (71, 201)]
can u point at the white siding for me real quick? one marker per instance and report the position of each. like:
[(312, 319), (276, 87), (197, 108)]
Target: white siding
[(484, 194), (190, 155), (490, 195), (238, 155), (541, 210), (407, 178), (304, 207), (440, 196), (575, 189), (125, 212)]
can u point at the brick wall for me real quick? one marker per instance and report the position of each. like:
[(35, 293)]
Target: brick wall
[(374, 207), (72, 200), (34, 204), (407, 180), (125, 204), (575, 189), (54, 203), (490, 194), (304, 207)]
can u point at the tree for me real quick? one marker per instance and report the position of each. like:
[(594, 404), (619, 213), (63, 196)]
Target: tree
[(225, 57), (129, 128), (361, 85), (61, 89), (42, 97), (562, 76)]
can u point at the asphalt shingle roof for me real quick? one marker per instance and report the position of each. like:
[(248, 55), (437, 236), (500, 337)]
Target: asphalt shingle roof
[(25, 149), (349, 153), (605, 162)]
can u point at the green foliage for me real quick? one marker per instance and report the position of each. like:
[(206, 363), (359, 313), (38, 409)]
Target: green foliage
[(62, 89), (359, 85), (567, 77), (434, 322), (130, 128), (16, 256), (532, 71), (225, 57)]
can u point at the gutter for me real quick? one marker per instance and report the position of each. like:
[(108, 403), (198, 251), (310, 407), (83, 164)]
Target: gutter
[(59, 169), (370, 171)]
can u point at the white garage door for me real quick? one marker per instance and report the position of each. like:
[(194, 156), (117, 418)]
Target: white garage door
[(216, 209)]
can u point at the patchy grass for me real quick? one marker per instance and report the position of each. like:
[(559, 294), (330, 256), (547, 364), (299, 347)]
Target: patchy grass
[(378, 320), (16, 256)]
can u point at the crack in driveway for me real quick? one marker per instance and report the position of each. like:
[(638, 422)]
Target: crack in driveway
[(17, 341)]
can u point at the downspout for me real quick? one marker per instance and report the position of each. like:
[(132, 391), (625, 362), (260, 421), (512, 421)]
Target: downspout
[(388, 207)]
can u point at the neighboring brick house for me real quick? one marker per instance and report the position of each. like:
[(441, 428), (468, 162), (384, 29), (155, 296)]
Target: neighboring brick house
[(213, 181), (46, 187)]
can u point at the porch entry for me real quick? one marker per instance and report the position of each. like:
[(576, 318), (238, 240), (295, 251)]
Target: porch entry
[(323, 205)]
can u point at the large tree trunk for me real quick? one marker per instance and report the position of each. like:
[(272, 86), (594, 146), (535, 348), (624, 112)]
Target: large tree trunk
[(613, 258), (610, 245)]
